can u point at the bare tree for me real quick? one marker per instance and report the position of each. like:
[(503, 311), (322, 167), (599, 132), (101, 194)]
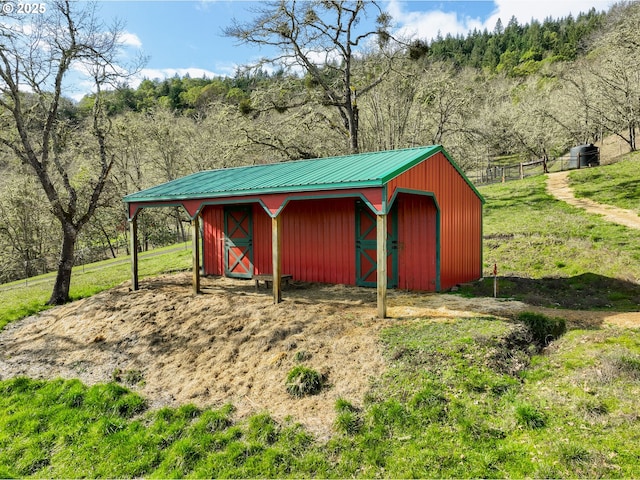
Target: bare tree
[(322, 38), (616, 73), (35, 62)]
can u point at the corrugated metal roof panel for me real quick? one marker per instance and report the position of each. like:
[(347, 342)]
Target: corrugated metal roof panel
[(361, 170)]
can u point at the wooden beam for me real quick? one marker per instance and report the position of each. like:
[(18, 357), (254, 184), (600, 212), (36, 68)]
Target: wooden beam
[(133, 239), (276, 244), (381, 250), (195, 224)]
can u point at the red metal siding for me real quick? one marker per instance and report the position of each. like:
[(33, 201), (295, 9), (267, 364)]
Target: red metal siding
[(416, 242), (213, 240), (261, 241), (318, 240), (460, 217)]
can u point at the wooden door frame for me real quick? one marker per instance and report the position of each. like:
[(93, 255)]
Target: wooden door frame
[(362, 245), (229, 242)]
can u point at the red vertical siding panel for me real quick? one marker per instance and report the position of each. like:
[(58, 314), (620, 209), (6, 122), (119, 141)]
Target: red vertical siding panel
[(417, 242), (318, 240), (460, 217), (262, 251), (213, 240)]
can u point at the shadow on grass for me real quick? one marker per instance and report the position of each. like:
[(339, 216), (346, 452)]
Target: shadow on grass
[(587, 291)]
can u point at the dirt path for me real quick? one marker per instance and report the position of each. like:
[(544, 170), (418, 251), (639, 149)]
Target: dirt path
[(558, 186)]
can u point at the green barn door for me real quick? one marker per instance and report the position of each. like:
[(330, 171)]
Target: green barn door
[(238, 242), (366, 247)]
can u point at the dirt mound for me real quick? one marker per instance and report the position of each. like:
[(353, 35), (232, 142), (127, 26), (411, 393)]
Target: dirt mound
[(229, 344)]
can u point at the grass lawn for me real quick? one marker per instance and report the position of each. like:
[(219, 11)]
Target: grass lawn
[(617, 184), (552, 254), (21, 299)]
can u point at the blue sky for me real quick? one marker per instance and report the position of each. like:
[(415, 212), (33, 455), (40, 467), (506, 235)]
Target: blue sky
[(185, 36)]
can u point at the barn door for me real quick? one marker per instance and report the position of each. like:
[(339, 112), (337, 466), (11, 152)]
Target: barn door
[(238, 242), (366, 247)]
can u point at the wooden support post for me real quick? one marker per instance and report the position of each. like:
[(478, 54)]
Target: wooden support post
[(381, 226), (133, 238), (276, 243), (195, 224)]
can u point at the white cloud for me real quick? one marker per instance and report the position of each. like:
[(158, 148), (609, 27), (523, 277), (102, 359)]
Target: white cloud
[(426, 24), (130, 40), (525, 10)]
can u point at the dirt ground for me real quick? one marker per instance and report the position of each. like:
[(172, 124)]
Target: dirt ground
[(231, 343)]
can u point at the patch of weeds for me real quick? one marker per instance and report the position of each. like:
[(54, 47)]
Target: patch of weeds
[(480, 380), (529, 416), (430, 402), (574, 454), (111, 398), (180, 458), (389, 413), (593, 407), (301, 356), (262, 429), (543, 329), (629, 365), (302, 381), (212, 421), (128, 377), (348, 420)]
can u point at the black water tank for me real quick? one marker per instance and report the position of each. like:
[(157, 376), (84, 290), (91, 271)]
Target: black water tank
[(584, 156)]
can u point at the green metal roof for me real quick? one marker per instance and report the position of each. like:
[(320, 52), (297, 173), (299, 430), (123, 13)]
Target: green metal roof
[(350, 171)]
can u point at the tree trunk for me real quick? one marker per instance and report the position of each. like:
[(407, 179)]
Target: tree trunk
[(60, 294), (353, 130), (106, 236)]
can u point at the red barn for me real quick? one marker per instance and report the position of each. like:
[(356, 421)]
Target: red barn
[(323, 220)]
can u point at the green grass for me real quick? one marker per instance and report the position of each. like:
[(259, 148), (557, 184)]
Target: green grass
[(617, 184), (24, 298), (463, 398), (550, 253)]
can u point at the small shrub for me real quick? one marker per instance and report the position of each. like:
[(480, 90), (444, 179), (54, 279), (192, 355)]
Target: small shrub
[(530, 417), (542, 328), (303, 381)]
